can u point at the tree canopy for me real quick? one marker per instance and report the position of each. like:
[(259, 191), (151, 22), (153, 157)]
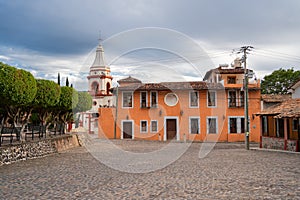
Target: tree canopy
[(84, 102), (279, 81), (68, 98), (48, 93), (17, 86)]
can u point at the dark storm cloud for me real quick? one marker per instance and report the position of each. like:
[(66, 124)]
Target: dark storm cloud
[(47, 35), (73, 26)]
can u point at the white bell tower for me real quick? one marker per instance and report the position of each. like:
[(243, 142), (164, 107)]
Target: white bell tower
[(100, 81)]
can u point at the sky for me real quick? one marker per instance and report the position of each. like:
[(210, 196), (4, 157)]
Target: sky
[(152, 40)]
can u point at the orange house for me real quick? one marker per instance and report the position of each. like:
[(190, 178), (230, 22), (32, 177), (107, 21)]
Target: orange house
[(210, 110)]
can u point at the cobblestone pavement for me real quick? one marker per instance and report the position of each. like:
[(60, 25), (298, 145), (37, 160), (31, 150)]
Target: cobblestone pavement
[(228, 172)]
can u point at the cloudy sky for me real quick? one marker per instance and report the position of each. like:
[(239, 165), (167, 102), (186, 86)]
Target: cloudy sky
[(151, 40)]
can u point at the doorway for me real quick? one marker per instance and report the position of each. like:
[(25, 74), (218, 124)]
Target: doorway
[(127, 130), (171, 128)]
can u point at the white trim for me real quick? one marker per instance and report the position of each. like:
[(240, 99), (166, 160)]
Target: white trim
[(155, 98), (165, 127), (122, 121), (190, 125), (141, 131), (141, 99), (168, 103), (207, 124), (197, 92), (236, 98), (151, 131), (208, 91), (238, 124), (131, 99)]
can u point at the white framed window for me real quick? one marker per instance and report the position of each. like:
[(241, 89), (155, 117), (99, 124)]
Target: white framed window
[(153, 99), (144, 126), (127, 99), (194, 99), (232, 99), (194, 125), (144, 99), (211, 98), (236, 124), (154, 126), (212, 125), (171, 99)]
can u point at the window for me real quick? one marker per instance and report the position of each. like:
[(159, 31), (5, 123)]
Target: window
[(194, 125), (194, 99), (153, 99), (153, 126), (232, 125), (231, 80), (242, 98), (295, 124), (211, 125), (211, 98), (236, 125), (280, 128), (232, 99), (265, 125), (144, 128), (127, 100), (171, 99), (95, 88), (143, 99)]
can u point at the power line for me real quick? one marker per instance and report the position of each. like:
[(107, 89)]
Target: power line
[(276, 56), (278, 53), (179, 59)]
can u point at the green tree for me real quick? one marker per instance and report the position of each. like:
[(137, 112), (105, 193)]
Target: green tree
[(58, 78), (67, 102), (279, 81), (68, 98), (18, 89), (84, 102), (67, 82), (47, 96)]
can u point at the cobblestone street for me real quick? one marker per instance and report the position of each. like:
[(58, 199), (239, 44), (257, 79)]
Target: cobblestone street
[(228, 172)]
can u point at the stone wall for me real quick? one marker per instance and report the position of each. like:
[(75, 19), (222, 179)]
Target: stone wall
[(35, 149), (278, 143), (273, 143), (291, 145)]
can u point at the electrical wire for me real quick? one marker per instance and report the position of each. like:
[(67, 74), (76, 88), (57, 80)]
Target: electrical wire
[(179, 59)]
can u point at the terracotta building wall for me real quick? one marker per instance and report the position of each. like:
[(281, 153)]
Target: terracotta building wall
[(182, 111)]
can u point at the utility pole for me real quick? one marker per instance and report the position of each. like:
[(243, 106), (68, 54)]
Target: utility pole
[(116, 117), (245, 50)]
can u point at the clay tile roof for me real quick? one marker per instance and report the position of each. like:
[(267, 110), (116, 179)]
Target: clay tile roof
[(275, 98), (196, 85), (286, 109), (129, 80)]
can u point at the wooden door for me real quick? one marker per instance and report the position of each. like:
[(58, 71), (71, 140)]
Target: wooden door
[(171, 129), (127, 130)]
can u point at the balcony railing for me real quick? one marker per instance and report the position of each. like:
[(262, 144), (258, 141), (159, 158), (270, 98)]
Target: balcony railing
[(235, 102)]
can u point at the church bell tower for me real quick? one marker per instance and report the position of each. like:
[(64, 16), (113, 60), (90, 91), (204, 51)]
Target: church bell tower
[(100, 80)]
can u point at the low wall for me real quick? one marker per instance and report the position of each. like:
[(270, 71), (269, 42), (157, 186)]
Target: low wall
[(35, 149), (278, 143)]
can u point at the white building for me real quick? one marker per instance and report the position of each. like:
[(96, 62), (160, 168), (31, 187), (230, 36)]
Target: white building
[(295, 90)]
